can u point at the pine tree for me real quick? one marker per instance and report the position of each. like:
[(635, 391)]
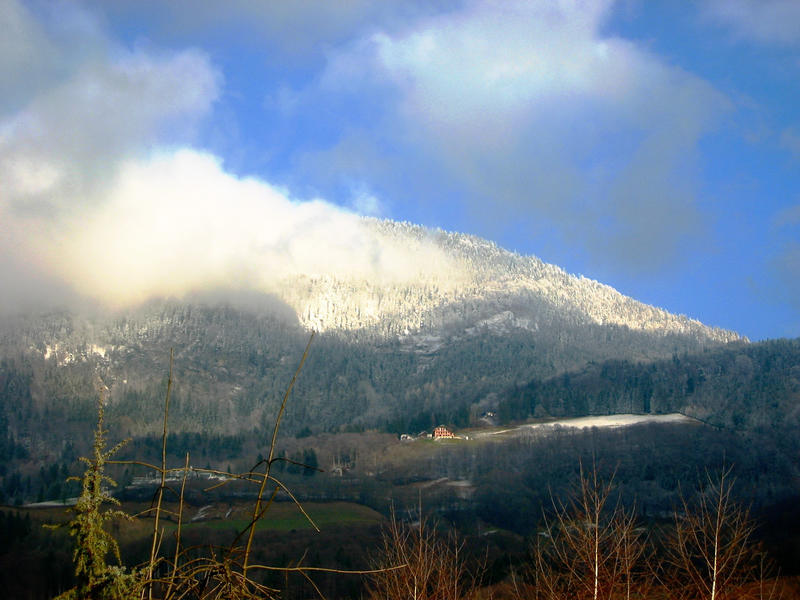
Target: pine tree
[(97, 580)]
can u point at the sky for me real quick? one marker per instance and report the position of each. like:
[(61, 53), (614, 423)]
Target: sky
[(151, 148)]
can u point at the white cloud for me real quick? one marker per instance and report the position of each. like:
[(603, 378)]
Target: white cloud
[(179, 223), (534, 109), (26, 55), (496, 60), (365, 202), (95, 109), (765, 21), (103, 111), (103, 196)]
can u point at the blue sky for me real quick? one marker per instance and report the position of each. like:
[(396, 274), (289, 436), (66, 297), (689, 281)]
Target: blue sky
[(651, 145)]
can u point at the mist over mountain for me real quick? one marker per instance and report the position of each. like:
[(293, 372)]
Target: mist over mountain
[(394, 352)]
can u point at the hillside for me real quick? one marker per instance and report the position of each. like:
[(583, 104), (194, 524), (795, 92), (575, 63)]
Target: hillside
[(476, 329), (463, 282), (403, 352), (738, 387)]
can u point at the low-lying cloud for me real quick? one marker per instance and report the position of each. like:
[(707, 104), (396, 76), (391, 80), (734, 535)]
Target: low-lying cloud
[(103, 195), (179, 223)]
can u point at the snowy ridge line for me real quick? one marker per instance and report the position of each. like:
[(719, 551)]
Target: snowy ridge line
[(484, 281)]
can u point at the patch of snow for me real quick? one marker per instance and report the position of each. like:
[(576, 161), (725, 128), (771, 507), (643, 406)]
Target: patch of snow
[(460, 483), (502, 323), (98, 350), (202, 512), (620, 420), (52, 503)]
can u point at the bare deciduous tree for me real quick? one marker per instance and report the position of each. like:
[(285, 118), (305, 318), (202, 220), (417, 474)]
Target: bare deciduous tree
[(711, 555), (434, 567), (590, 548)]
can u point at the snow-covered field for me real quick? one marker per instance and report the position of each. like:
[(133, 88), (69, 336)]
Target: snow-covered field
[(622, 420), (617, 420)]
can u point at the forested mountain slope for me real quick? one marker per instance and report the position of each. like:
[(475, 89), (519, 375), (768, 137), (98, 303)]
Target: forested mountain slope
[(401, 353), (464, 281), (741, 386)]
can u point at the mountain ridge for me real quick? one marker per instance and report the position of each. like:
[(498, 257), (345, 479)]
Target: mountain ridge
[(484, 271), (392, 354)]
